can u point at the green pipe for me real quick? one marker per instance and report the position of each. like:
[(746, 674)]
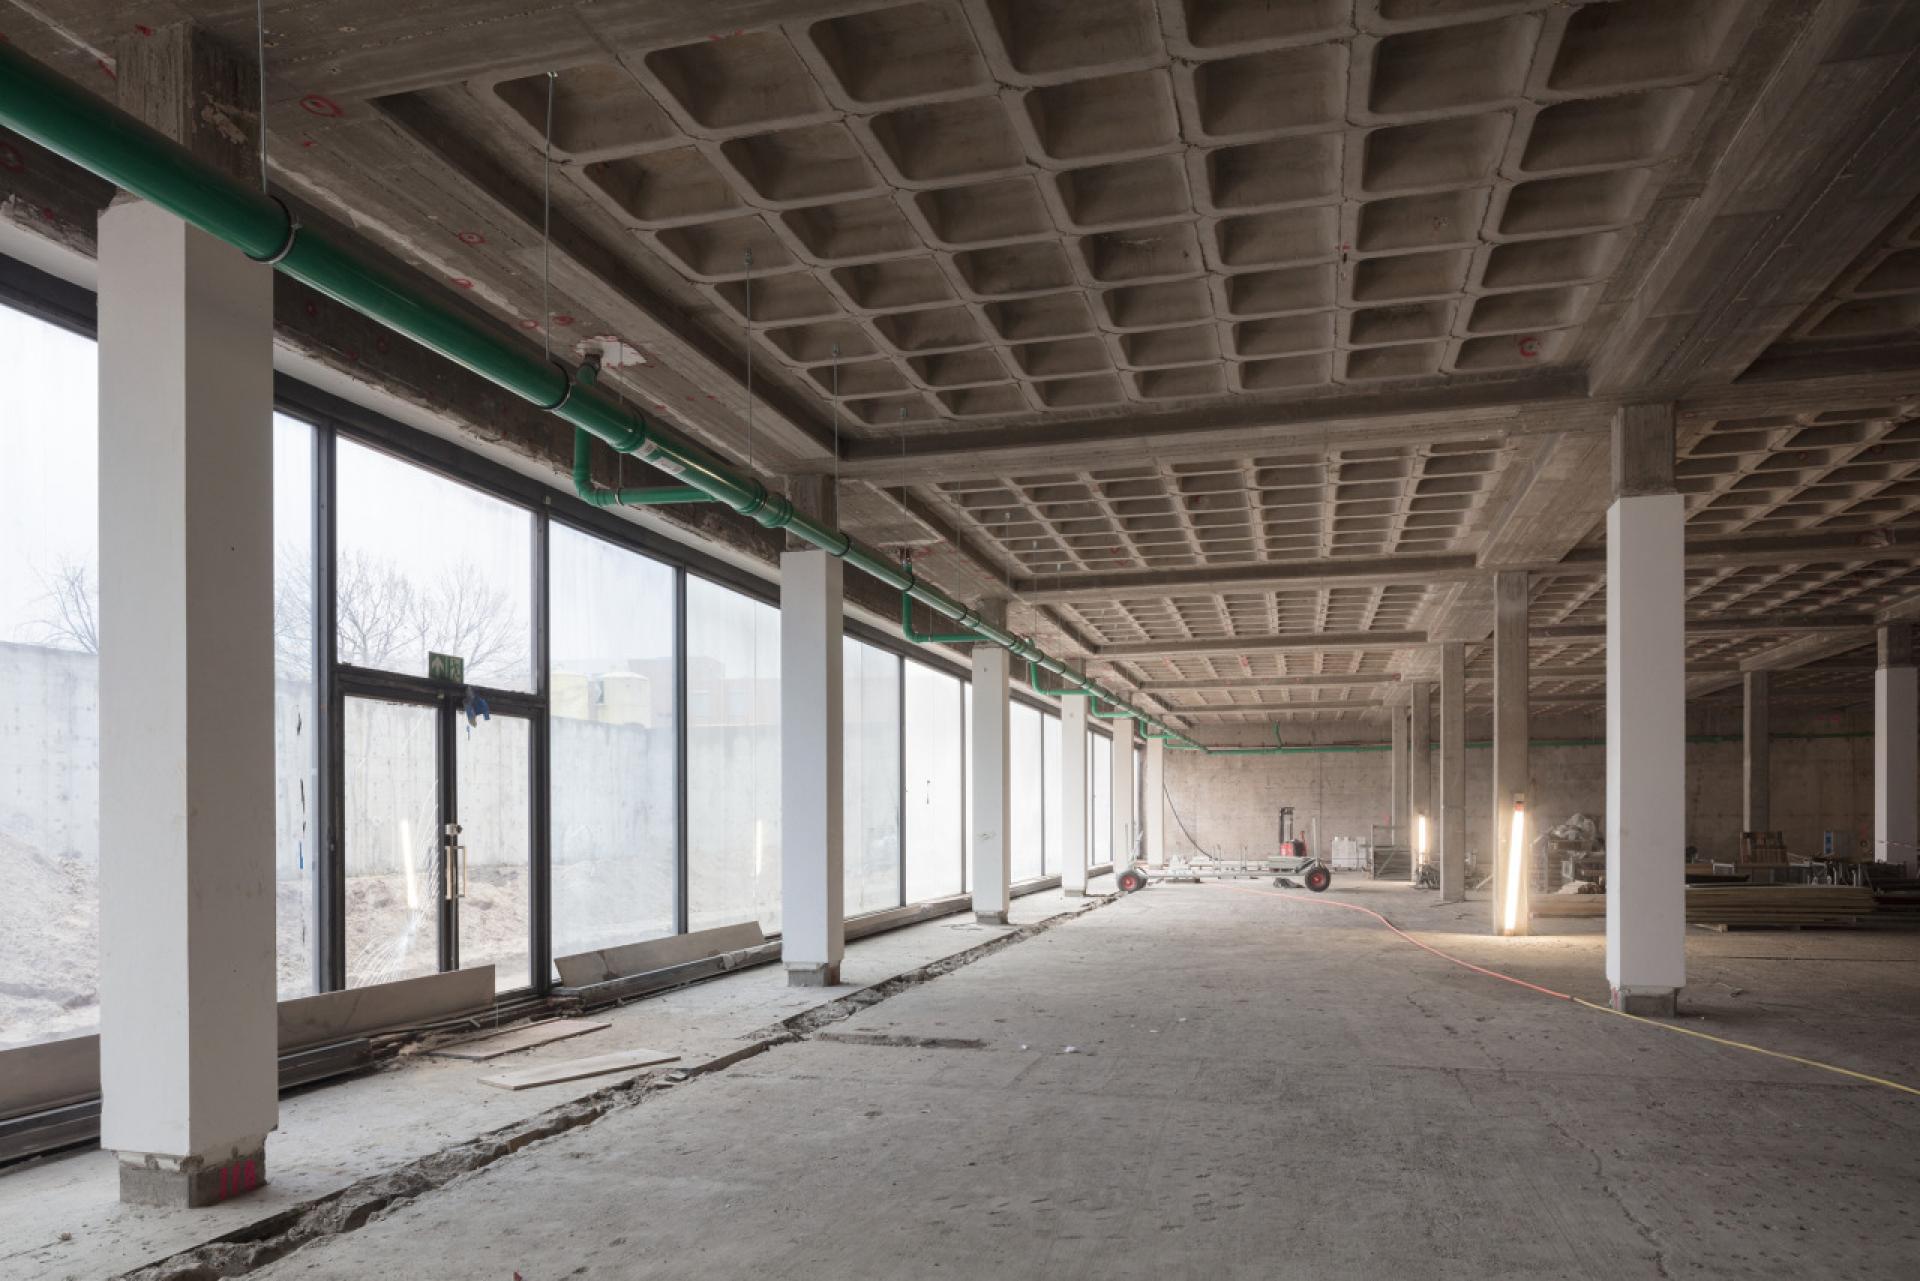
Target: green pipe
[(656, 496), (927, 638), (67, 120), (1033, 679), (1120, 714)]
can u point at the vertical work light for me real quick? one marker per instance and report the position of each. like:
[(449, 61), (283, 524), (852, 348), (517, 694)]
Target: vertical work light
[(1516, 865)]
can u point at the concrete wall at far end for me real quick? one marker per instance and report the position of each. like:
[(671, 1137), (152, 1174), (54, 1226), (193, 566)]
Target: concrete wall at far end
[(1230, 803)]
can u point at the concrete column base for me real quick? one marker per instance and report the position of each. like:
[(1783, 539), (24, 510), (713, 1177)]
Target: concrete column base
[(1074, 893), (813, 975), (989, 918), (190, 1182), (1647, 1002)]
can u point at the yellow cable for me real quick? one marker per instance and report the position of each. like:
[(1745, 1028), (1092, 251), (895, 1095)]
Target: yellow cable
[(1566, 996), (1742, 1045)]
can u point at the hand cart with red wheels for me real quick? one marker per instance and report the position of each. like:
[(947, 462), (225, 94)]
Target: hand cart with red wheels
[(1289, 870)]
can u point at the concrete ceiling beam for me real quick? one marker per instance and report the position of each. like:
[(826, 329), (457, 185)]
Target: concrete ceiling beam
[(1372, 571), (1761, 626), (1757, 242), (1799, 652), (1883, 543), (1319, 642), (1158, 688)]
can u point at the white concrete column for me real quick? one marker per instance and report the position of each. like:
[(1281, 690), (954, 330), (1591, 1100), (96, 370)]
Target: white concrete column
[(1120, 796), (1511, 767), (1153, 821), (1420, 772), (992, 818), (1646, 717), (1452, 836), (813, 934), (1756, 809), (1896, 747), (1073, 794), (188, 1027), (1402, 789)]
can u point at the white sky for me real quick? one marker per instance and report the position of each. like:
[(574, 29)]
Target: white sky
[(50, 459)]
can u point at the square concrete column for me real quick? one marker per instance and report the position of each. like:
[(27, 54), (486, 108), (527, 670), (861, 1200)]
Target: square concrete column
[(1153, 818), (1646, 717), (1120, 796), (1073, 794), (1453, 772), (1511, 766), (1756, 808), (188, 1025), (1896, 744), (992, 845), (1400, 781), (813, 934), (1420, 772)]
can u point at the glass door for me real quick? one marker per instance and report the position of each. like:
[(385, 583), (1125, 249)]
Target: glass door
[(393, 839), (493, 892), (438, 838)]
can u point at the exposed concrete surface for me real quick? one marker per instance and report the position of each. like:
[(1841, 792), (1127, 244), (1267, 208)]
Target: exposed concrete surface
[(58, 1218), (1290, 1092)]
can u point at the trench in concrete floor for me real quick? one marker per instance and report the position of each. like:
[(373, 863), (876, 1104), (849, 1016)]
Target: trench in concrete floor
[(422, 1119)]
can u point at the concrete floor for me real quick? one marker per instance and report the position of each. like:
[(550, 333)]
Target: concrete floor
[(59, 1216), (1257, 1088)]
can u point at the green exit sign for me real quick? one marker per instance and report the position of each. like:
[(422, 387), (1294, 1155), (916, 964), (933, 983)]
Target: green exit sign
[(446, 667)]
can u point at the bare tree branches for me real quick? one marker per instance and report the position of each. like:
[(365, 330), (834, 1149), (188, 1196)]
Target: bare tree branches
[(386, 619), (72, 612)]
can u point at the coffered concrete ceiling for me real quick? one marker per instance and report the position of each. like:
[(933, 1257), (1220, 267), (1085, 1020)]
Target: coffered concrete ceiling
[(1236, 341)]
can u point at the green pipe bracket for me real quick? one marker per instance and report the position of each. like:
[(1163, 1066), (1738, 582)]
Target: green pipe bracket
[(918, 637), (1033, 680), (652, 496)]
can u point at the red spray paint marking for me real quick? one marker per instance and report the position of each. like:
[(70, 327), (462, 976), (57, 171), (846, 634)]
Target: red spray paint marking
[(107, 67), (320, 105), (143, 28), (563, 321), (470, 238), (461, 282), (1529, 347)]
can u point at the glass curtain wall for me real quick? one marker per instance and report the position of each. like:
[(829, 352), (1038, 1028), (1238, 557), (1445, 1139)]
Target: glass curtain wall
[(50, 642), (614, 744), (733, 758), (49, 684), (1050, 746), (1025, 798), (936, 783), (1099, 798), (428, 564), (423, 562), (296, 756), (871, 777), (966, 799)]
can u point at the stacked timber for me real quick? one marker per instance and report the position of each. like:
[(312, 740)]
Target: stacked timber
[(1740, 906), (1777, 906)]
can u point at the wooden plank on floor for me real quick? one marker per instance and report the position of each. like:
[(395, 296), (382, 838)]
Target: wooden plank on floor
[(519, 1038), (576, 1069)]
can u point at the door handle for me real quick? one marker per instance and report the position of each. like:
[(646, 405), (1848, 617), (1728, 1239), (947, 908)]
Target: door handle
[(453, 866)]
